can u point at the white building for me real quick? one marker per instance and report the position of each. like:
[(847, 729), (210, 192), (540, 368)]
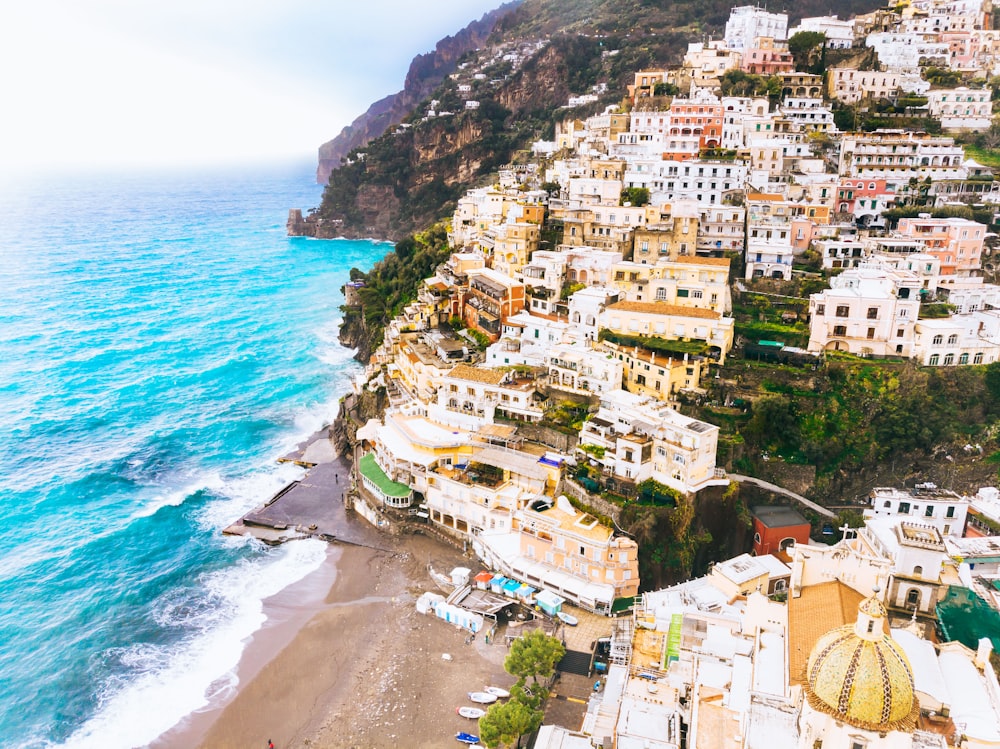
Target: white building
[(961, 108), (867, 310), (747, 23), (839, 34), (927, 504), (971, 338)]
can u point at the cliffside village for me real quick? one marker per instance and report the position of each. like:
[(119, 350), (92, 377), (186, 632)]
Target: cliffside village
[(801, 644)]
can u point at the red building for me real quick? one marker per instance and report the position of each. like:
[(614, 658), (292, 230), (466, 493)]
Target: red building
[(776, 527)]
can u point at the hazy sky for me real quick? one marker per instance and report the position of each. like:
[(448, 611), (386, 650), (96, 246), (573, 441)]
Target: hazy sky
[(141, 81)]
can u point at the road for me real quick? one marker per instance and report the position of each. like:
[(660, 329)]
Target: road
[(785, 492)]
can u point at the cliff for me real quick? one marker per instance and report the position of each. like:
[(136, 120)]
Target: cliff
[(426, 73), (443, 134)]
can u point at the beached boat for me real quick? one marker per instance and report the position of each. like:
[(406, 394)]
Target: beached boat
[(500, 692), (466, 738), (474, 713), (568, 619), (483, 698)]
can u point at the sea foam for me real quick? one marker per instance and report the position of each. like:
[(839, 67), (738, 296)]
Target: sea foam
[(159, 687)]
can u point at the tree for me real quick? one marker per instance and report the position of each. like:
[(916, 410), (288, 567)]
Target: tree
[(506, 722), (665, 89), (637, 196), (805, 41), (534, 655)]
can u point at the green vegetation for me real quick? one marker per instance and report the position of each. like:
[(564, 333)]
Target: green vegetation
[(393, 281), (808, 50), (936, 310), (654, 493), (534, 656), (652, 343), (596, 450), (738, 83), (665, 89), (637, 196), (566, 416), (506, 722)]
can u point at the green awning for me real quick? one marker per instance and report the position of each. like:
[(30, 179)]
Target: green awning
[(374, 473)]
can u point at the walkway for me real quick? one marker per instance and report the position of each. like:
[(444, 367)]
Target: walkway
[(785, 492)]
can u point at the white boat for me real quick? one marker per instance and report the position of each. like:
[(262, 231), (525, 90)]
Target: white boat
[(569, 619), (500, 692), (483, 698), (475, 713)]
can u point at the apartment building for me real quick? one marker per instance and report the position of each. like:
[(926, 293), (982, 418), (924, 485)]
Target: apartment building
[(471, 396), (491, 298), (748, 23), (839, 34), (513, 244), (850, 86), (926, 503), (581, 370), (543, 279), (970, 338), (656, 375), (671, 323), (720, 230), (956, 242), (767, 57), (866, 311), (897, 156), (691, 281), (644, 438), (961, 108)]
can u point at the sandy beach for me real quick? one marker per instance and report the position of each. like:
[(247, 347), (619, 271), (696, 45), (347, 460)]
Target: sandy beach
[(363, 669)]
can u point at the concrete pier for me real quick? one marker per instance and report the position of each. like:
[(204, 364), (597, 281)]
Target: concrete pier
[(312, 507)]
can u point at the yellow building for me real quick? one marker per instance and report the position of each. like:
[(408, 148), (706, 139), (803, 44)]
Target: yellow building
[(650, 373), (565, 539), (671, 322)]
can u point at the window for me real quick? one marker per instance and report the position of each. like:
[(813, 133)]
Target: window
[(840, 330), (929, 511), (661, 294), (950, 513), (952, 339), (873, 313), (871, 334), (820, 309), (949, 359), (963, 359), (978, 358), (904, 508), (843, 310), (934, 360)]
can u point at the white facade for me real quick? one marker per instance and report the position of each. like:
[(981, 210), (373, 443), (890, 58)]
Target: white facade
[(866, 311), (747, 23), (972, 338), (899, 52), (926, 504), (961, 108), (839, 34)]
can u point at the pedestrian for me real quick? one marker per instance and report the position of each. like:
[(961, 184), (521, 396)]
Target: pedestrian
[(270, 744)]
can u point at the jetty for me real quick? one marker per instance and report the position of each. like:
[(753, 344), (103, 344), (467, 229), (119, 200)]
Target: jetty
[(313, 506)]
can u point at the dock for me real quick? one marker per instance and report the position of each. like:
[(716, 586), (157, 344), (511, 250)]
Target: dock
[(313, 506)]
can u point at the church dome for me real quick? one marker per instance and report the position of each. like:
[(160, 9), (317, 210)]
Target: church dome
[(857, 673)]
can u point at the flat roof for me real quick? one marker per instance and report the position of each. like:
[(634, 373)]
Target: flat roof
[(374, 473), (476, 374), (778, 516), (663, 308)]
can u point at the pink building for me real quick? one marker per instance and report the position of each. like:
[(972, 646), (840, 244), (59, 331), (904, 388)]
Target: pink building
[(956, 242), (767, 59)]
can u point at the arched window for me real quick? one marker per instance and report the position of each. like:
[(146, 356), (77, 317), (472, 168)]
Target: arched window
[(949, 359), (937, 340), (933, 361), (912, 598), (887, 504), (953, 339), (918, 571)]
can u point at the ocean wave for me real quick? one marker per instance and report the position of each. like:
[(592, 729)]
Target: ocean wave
[(157, 687)]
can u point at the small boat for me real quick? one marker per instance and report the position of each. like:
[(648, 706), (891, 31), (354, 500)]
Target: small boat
[(471, 712), (568, 619), (466, 738), (500, 692), (483, 698)]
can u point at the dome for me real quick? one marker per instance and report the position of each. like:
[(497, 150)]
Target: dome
[(857, 673)]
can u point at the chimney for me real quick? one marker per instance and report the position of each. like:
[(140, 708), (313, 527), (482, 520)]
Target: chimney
[(983, 652)]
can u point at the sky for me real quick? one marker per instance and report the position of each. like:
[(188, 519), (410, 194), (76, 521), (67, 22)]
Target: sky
[(140, 82)]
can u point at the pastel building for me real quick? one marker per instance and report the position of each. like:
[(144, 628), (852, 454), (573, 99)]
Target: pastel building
[(866, 311), (671, 322)]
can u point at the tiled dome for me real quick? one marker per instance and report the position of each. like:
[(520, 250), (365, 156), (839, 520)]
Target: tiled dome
[(858, 673)]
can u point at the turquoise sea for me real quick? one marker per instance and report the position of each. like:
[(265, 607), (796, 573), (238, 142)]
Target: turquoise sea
[(161, 343)]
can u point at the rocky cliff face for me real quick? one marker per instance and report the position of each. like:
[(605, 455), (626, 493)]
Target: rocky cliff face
[(426, 73)]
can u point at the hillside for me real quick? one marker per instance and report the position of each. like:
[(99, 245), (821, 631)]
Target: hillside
[(425, 74), (539, 53)]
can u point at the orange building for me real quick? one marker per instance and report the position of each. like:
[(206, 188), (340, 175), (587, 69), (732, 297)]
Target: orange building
[(701, 117)]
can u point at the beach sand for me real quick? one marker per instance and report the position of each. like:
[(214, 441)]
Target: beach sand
[(366, 670)]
